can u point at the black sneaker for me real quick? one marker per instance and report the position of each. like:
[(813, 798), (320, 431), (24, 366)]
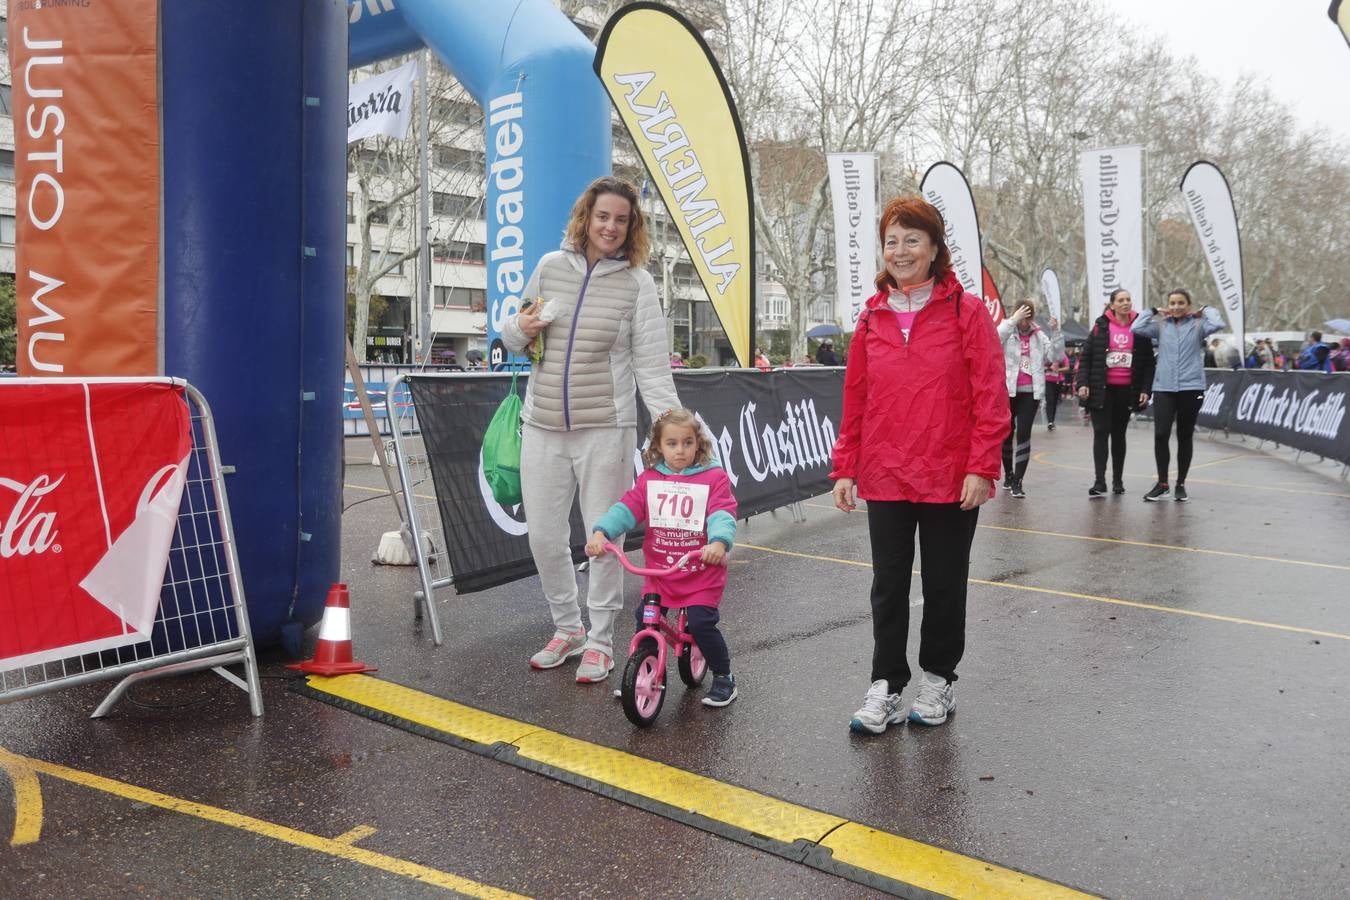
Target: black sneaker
[(1016, 489), (722, 692), (1117, 487), (1156, 492), (1050, 426), (1098, 489), (1179, 495), (1007, 482)]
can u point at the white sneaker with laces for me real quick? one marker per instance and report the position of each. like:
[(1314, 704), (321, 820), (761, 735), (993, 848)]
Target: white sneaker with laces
[(934, 701), (880, 709), (595, 667), (563, 647)]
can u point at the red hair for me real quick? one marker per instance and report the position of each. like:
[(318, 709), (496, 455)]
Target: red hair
[(912, 211)]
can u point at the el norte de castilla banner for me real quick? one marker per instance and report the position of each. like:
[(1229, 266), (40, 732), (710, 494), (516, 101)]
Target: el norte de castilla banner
[(672, 98), (853, 189), (1210, 203), (945, 186), (773, 431), (1113, 223)]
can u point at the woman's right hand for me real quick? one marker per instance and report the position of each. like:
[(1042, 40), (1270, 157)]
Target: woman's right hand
[(1082, 393), (596, 545), (529, 323), (844, 495)]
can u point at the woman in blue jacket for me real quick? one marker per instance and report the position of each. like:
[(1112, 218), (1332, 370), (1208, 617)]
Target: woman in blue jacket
[(1179, 333)]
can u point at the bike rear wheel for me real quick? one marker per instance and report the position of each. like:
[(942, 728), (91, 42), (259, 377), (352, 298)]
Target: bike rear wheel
[(644, 687)]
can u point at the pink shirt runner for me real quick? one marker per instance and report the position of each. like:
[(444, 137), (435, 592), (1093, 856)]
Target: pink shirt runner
[(1119, 352)]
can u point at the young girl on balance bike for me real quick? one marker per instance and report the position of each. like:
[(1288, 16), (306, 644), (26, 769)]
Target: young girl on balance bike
[(685, 499)]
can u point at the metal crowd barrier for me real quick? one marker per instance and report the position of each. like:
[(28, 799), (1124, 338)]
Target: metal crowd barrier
[(202, 621), (423, 518)]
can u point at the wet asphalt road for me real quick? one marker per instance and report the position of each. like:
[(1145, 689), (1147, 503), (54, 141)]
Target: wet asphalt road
[(1134, 720)]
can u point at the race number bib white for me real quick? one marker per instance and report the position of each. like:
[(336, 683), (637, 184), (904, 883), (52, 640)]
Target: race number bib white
[(1025, 365), (675, 504), (1119, 359)]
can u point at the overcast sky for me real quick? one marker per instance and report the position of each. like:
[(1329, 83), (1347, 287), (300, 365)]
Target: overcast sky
[(1290, 42)]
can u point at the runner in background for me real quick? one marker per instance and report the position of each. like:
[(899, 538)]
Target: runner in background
[(1025, 351), (1054, 386)]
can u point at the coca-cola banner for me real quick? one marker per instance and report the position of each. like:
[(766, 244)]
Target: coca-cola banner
[(773, 430), (1303, 410), (86, 166), (91, 478)]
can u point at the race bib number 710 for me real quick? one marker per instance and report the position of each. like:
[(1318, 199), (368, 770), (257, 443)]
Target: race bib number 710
[(674, 504)]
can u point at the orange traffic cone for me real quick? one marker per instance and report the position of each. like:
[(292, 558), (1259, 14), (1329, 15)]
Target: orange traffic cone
[(333, 654)]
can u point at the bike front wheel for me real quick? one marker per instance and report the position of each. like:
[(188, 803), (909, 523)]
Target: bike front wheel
[(644, 687)]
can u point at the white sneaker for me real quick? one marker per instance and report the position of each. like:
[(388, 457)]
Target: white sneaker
[(563, 647), (595, 667), (880, 709), (934, 701)]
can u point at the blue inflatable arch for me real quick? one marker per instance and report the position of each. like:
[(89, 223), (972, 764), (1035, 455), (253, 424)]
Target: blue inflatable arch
[(546, 117), (253, 95)]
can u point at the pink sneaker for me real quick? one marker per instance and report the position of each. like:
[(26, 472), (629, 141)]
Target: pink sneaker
[(563, 647), (595, 667)]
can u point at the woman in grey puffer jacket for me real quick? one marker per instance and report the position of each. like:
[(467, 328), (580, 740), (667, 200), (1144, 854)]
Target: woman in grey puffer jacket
[(595, 309)]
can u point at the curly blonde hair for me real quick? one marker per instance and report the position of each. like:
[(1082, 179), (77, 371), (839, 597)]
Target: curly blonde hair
[(682, 417), (636, 246)]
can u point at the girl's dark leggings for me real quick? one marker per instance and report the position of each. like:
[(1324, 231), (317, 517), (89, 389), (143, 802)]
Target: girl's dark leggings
[(1184, 408)]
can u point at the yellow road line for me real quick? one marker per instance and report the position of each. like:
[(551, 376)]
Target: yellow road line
[(1148, 544), (768, 817), (1041, 458), (359, 833), (271, 830), (27, 799), (1220, 461), (1136, 604), (1180, 549)]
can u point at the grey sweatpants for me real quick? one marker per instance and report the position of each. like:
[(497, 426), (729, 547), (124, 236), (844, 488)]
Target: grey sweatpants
[(553, 465)]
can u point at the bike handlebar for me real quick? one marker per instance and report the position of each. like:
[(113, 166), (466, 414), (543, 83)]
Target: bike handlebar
[(658, 573)]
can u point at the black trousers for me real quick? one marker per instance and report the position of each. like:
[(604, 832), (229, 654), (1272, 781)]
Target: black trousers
[(1023, 410), (703, 627), (945, 535), (1111, 421), (1052, 389), (1184, 408)]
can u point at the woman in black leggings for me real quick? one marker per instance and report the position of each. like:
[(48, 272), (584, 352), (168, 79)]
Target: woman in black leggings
[(1025, 351), (1115, 376), (1178, 382)]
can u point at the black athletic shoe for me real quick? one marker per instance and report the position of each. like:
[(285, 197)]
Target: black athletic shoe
[(1007, 482), (722, 692), (1156, 493), (1117, 487), (1098, 489), (1017, 491), (1179, 494), (1050, 426)]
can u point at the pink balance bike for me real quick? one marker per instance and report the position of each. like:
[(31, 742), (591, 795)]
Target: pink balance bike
[(644, 678)]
